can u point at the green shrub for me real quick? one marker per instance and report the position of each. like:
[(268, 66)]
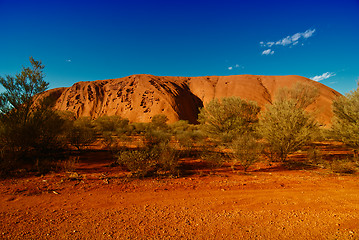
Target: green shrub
[(139, 162), (158, 121), (81, 133), (213, 158), (223, 120), (246, 151), (285, 125), (168, 159), (154, 137), (345, 126), (143, 162), (343, 166), (113, 124), (28, 125), (314, 155)]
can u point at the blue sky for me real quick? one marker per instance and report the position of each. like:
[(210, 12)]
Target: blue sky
[(91, 40)]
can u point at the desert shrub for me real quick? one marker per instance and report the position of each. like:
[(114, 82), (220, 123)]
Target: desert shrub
[(69, 164), (113, 124), (167, 159), (343, 166), (159, 121), (27, 128), (146, 161), (224, 119), (302, 94), (81, 133), (187, 135), (139, 162), (314, 155), (154, 137), (214, 158), (114, 131), (286, 126), (246, 151), (138, 128), (345, 126)]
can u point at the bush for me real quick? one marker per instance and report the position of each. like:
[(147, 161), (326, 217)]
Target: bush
[(168, 160), (139, 162), (213, 158), (246, 150), (159, 121), (225, 119), (113, 124), (345, 126), (26, 129), (285, 125), (187, 135), (81, 133), (154, 137), (314, 155), (146, 161), (343, 166)]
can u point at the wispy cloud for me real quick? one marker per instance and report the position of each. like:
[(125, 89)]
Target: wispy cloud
[(68, 60), (323, 76), (235, 66), (268, 52), (290, 40)]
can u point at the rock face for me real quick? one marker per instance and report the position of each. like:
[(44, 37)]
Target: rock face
[(140, 97)]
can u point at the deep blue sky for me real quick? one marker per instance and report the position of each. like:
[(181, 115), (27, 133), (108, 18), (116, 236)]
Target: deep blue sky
[(91, 40)]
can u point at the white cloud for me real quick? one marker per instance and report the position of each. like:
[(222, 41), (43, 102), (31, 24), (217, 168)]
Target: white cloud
[(68, 60), (268, 52), (290, 40), (308, 33), (323, 76), (235, 66)]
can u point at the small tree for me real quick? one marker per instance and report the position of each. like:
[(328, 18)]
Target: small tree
[(227, 118), (21, 89), (285, 125), (81, 133), (246, 150), (159, 121), (303, 94), (346, 119), (25, 126)]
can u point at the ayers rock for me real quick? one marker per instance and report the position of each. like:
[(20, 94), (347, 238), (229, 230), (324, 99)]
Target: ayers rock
[(140, 97)]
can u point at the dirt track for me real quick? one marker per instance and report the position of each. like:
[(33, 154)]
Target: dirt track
[(268, 204)]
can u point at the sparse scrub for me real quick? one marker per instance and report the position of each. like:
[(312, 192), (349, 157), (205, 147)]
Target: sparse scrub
[(69, 164), (146, 161), (246, 151), (345, 126), (81, 133), (223, 120), (27, 129), (111, 124), (286, 126), (168, 160), (314, 155), (159, 121), (187, 135), (139, 162), (215, 159), (343, 166)]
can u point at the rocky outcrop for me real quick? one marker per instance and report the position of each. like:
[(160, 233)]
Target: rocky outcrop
[(140, 97)]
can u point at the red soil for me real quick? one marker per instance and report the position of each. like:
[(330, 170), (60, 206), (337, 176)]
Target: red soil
[(270, 202)]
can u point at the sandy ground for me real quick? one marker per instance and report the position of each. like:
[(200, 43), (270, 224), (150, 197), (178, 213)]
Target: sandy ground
[(101, 203)]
